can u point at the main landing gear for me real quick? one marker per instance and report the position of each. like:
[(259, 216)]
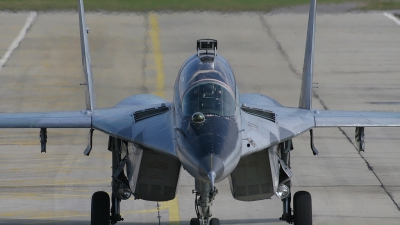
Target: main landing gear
[(205, 195), (302, 207), (100, 212)]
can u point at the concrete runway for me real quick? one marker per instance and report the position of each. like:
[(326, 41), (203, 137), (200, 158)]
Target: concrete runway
[(356, 68)]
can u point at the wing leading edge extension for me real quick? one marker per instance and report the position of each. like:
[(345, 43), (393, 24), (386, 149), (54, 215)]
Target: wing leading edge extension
[(149, 126)]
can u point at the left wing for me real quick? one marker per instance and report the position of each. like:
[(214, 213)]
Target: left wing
[(265, 122), (332, 118)]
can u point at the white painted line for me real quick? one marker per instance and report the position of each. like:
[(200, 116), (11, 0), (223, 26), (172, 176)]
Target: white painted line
[(17, 40), (392, 17)]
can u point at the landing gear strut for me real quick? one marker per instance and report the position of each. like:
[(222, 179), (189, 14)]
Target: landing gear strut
[(114, 145), (205, 195), (101, 213), (302, 208)]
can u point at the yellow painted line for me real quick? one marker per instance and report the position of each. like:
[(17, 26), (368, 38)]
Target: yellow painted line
[(173, 206), (161, 208), (47, 221), (25, 214), (155, 39), (40, 195)]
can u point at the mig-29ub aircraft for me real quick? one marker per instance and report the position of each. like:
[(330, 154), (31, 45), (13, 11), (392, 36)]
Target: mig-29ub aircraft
[(209, 129)]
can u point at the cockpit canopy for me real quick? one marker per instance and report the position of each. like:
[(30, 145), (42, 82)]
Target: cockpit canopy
[(209, 97), (206, 82), (196, 69)]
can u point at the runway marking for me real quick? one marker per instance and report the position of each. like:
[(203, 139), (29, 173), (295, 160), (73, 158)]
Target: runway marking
[(47, 221), (174, 217), (155, 39), (19, 38), (392, 17), (162, 207), (173, 206)]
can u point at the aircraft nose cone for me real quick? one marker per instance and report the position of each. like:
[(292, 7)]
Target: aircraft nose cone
[(211, 175), (211, 168)]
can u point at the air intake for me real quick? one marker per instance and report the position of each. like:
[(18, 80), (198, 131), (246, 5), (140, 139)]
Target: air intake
[(265, 114), (147, 113)]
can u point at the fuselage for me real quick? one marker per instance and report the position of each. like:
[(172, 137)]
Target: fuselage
[(207, 117)]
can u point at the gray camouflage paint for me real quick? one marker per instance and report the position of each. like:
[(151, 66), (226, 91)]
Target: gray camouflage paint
[(167, 133)]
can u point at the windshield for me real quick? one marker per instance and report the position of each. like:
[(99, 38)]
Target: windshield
[(195, 70), (209, 97)]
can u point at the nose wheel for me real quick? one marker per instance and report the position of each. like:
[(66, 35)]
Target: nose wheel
[(196, 221), (214, 221)]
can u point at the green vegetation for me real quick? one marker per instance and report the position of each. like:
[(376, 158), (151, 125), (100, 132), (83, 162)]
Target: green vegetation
[(382, 5), (178, 5)]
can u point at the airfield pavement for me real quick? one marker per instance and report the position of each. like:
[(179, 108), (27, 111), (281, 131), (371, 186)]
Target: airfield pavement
[(356, 67)]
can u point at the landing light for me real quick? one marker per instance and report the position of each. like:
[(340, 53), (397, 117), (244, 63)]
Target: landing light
[(282, 192), (124, 193)]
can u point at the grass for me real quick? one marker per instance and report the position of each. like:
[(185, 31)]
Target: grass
[(178, 5), (383, 5)]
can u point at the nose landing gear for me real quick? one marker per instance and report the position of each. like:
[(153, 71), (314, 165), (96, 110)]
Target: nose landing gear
[(205, 195)]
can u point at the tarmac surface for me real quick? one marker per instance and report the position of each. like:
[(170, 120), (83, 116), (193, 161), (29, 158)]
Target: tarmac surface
[(356, 67)]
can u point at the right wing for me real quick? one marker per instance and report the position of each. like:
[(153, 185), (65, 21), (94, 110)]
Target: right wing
[(74, 119), (143, 119), (148, 126), (146, 120)]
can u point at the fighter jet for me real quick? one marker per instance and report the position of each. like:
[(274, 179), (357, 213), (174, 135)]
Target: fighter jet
[(209, 129)]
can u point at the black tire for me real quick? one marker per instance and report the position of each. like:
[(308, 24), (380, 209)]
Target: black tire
[(100, 214), (302, 208), (194, 221), (214, 221)]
